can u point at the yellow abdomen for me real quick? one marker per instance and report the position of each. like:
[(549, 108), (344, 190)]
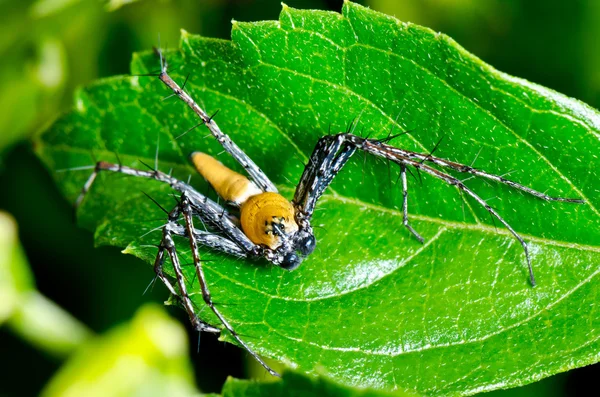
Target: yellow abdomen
[(230, 185)]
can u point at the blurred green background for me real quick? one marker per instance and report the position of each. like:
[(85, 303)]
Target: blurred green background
[(49, 47)]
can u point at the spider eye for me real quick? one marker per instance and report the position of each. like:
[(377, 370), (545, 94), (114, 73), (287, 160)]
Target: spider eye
[(290, 261), (307, 245)]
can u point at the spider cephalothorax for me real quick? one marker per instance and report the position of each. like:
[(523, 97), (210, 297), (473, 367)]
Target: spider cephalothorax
[(269, 226)]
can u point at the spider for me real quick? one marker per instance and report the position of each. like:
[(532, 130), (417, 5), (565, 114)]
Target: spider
[(270, 226)]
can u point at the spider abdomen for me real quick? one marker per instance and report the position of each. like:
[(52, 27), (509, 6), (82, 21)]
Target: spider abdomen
[(268, 219), (231, 186)]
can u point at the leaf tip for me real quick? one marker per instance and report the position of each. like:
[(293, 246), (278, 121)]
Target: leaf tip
[(346, 6), (235, 25), (239, 25)]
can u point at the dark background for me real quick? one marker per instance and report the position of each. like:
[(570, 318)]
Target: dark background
[(47, 53)]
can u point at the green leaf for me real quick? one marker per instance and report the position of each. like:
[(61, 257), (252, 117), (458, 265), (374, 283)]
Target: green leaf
[(371, 307), (146, 357), (29, 314), (25, 88), (47, 326), (15, 277)]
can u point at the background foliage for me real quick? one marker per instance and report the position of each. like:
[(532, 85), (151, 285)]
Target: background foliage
[(57, 60)]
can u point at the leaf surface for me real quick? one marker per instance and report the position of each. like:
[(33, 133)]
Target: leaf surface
[(372, 306)]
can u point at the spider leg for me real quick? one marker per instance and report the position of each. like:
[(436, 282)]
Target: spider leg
[(473, 171), (332, 152), (405, 204), (167, 244), (213, 241), (329, 156), (382, 150), (255, 173), (198, 324), (204, 207), (187, 211), (449, 179)]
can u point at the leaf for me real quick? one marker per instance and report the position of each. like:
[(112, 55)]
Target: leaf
[(15, 276), (29, 314), (146, 357), (47, 326), (371, 307), (24, 89)]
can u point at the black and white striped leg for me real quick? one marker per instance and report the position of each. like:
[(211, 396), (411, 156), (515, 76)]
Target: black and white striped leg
[(167, 244), (469, 170), (187, 212), (198, 324), (327, 159), (405, 204), (205, 208), (255, 173), (449, 179), (213, 241), (385, 151), (320, 172)]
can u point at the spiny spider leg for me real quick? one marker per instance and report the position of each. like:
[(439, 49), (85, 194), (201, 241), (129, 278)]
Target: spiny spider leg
[(405, 204), (186, 209), (159, 262), (474, 171), (323, 165), (255, 173), (211, 240), (333, 149), (167, 244), (204, 207), (183, 297), (449, 179), (191, 204)]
